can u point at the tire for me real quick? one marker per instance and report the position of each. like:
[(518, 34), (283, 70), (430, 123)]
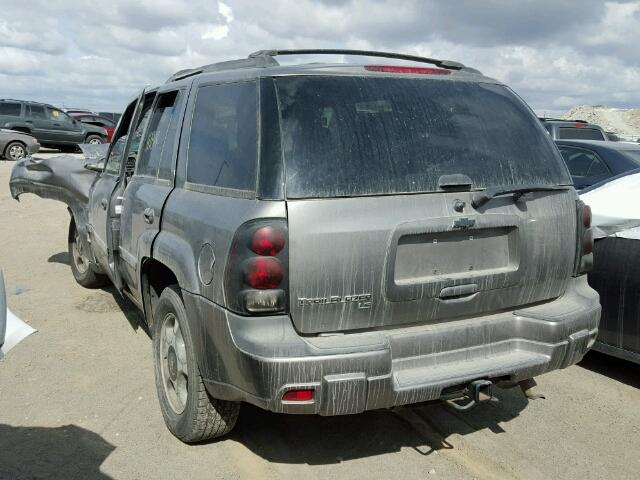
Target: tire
[(94, 140), (15, 151), (188, 410), (81, 268)]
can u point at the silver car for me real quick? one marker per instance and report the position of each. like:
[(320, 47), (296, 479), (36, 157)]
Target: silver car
[(16, 145), (332, 238)]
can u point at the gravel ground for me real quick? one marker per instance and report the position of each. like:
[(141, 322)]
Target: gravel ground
[(77, 400)]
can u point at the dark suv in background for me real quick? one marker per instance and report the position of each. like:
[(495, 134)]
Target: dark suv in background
[(51, 126)]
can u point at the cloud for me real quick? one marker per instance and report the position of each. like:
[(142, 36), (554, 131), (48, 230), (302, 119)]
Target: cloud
[(554, 54)]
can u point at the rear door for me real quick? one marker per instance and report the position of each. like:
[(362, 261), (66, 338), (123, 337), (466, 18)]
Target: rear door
[(41, 124), (147, 190), (380, 179)]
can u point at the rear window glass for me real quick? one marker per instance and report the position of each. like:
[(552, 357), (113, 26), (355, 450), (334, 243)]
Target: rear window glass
[(354, 136), (580, 133), (9, 109)]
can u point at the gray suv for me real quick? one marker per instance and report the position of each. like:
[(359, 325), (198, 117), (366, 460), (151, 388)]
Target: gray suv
[(332, 238), (51, 126)]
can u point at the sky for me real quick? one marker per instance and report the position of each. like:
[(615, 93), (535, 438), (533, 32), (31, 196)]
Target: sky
[(97, 54)]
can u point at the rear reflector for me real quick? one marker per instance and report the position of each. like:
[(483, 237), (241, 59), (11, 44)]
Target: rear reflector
[(298, 396), (398, 69)]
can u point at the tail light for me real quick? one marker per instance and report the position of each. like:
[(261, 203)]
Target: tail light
[(584, 250), (256, 274)]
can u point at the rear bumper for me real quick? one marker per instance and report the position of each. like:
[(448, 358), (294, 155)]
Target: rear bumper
[(257, 359), (33, 147)]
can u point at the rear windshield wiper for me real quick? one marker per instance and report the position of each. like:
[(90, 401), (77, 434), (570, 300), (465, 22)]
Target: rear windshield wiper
[(480, 198)]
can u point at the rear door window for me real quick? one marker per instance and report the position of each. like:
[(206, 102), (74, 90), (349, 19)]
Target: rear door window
[(156, 156), (37, 111), (8, 108), (222, 143), (580, 133), (353, 136)]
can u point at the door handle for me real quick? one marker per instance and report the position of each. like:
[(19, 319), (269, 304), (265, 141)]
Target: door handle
[(148, 215), (28, 121), (104, 204)]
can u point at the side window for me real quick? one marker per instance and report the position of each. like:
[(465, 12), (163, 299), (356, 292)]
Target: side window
[(134, 146), (116, 152), (104, 122), (222, 142), (37, 111), (115, 156), (12, 109), (583, 163), (156, 155), (54, 114)]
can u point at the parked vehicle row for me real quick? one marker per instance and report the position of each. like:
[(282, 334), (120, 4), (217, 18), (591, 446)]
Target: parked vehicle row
[(331, 239), (51, 126)]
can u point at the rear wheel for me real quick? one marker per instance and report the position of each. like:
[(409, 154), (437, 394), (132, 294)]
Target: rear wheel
[(94, 140), (188, 410), (15, 151), (81, 267)]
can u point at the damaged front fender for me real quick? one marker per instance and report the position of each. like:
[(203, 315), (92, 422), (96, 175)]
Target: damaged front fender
[(63, 178)]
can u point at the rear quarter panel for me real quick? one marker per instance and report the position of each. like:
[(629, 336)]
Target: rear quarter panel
[(193, 219)]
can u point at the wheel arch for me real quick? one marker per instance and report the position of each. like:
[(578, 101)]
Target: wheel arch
[(155, 276)]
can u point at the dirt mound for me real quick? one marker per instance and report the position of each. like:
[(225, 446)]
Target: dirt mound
[(618, 120)]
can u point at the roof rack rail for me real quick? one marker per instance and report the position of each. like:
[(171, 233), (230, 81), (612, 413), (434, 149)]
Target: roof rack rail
[(251, 62), (449, 64)]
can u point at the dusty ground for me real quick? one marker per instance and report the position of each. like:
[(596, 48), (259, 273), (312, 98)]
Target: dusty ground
[(77, 401)]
